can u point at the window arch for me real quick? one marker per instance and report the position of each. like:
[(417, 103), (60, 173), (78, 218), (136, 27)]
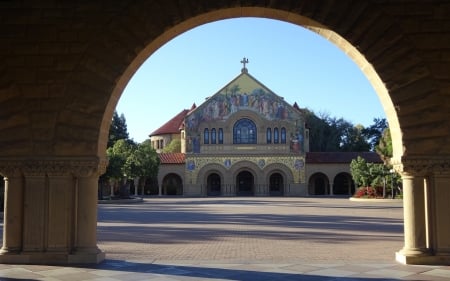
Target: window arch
[(213, 136), (220, 136), (244, 132), (269, 135), (276, 136), (283, 135), (206, 136)]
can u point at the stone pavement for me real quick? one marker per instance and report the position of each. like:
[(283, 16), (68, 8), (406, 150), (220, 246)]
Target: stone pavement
[(244, 239)]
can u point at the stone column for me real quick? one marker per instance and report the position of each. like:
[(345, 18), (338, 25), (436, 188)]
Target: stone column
[(414, 219), (85, 244), (13, 214), (59, 230), (439, 215), (426, 197)]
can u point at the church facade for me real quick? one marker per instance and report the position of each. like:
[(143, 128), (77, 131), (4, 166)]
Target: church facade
[(245, 140)]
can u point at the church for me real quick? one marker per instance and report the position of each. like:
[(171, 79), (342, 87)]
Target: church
[(245, 140)]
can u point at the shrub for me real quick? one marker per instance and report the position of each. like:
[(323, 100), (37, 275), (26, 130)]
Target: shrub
[(369, 192)]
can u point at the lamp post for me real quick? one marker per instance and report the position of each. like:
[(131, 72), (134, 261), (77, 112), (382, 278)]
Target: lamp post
[(391, 171)]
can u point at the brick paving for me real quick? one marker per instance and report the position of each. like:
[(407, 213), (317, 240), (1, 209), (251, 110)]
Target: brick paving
[(244, 239), (257, 229)]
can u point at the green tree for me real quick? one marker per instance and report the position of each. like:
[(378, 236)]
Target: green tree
[(118, 129), (331, 134), (173, 146), (360, 171), (374, 132), (384, 147), (145, 161), (352, 138)]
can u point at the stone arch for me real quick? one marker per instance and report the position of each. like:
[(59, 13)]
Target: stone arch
[(318, 184), (58, 107), (281, 169), (172, 184), (343, 184), (209, 169), (246, 166), (389, 37)]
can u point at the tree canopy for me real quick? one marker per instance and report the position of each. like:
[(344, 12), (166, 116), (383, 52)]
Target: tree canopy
[(331, 134), (118, 129)]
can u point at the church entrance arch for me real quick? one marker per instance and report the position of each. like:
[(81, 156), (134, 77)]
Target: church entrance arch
[(245, 184), (172, 185), (318, 184), (276, 185), (213, 185)]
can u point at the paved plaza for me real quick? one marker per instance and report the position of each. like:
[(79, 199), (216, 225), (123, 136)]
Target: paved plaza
[(257, 238)]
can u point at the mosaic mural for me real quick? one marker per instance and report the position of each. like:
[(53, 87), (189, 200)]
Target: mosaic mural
[(244, 93)]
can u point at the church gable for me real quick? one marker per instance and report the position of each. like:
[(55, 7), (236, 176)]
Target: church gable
[(242, 93)]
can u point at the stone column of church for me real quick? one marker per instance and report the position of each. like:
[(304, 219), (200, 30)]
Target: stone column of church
[(86, 218), (13, 214), (414, 219)]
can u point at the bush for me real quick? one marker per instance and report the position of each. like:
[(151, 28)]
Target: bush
[(369, 192)]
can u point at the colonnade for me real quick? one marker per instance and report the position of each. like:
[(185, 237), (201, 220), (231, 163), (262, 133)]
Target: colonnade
[(426, 197), (50, 211)]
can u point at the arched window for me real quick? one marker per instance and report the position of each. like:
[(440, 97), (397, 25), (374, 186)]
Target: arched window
[(206, 136), (220, 136), (283, 135), (213, 136), (269, 135), (244, 132), (276, 136)]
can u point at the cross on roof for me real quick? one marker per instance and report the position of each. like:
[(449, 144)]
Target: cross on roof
[(244, 61)]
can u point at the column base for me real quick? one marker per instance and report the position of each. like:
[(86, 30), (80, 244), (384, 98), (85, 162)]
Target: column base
[(52, 258), (422, 259)]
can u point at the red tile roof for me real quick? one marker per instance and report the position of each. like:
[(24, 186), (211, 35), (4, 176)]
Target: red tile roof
[(340, 157), (173, 125), (171, 158)]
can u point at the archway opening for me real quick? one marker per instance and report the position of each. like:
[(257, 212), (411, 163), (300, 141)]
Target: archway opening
[(276, 184), (343, 184), (213, 185), (318, 184), (172, 185), (245, 184)]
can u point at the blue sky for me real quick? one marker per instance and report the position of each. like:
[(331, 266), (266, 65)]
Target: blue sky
[(293, 62)]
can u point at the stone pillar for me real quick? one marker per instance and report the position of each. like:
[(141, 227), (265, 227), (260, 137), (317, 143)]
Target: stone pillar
[(439, 214), (51, 217), (426, 197), (35, 211), (414, 219), (13, 214), (60, 220), (85, 248)]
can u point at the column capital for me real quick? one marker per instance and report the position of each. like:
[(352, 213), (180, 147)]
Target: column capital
[(422, 165), (53, 166)]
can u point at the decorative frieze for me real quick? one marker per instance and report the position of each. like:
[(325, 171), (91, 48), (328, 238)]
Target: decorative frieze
[(423, 165), (58, 166), (296, 164)]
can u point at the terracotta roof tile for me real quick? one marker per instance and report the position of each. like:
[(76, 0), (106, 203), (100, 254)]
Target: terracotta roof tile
[(173, 125), (171, 158), (340, 157)]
